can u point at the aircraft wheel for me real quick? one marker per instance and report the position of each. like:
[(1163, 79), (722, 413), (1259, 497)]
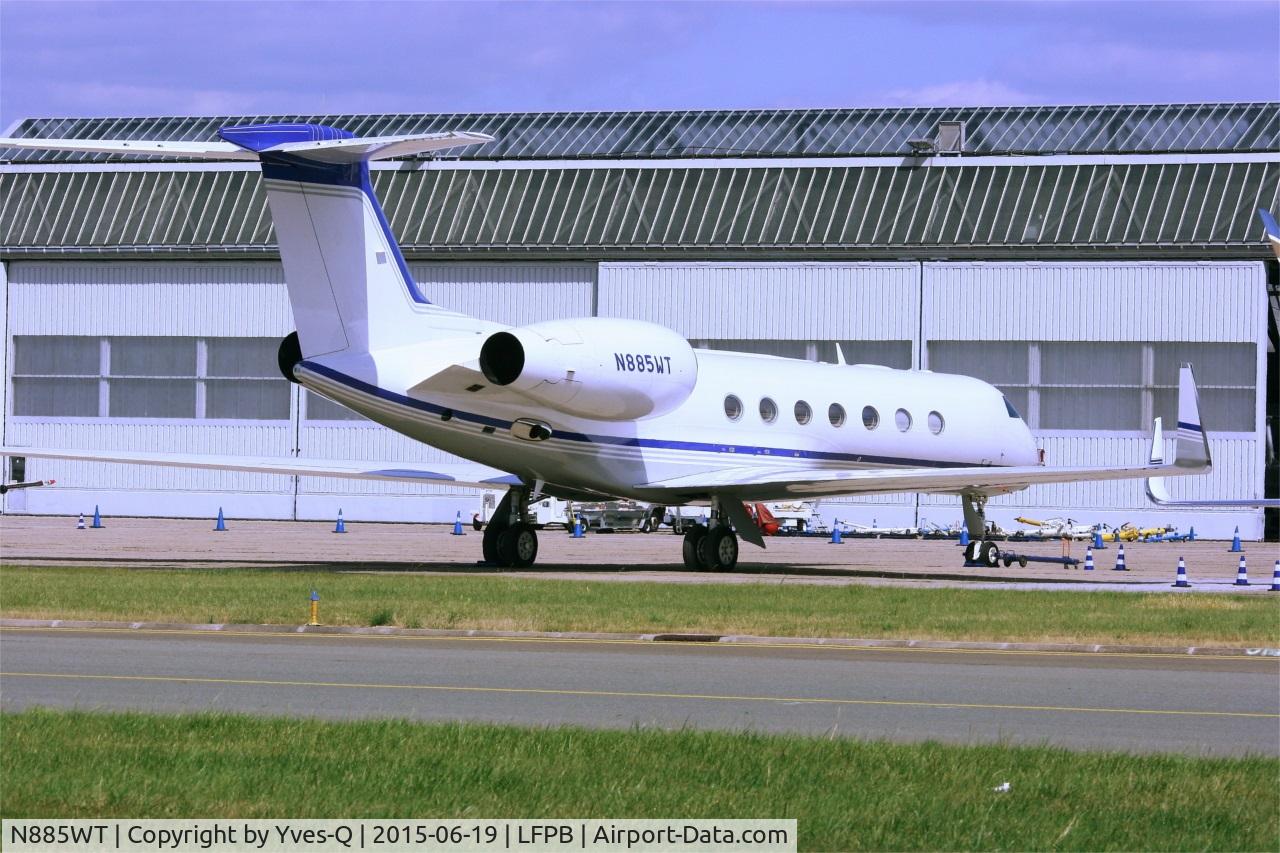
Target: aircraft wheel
[(718, 550), (489, 544), (989, 554), (518, 546), (972, 551), (693, 535)]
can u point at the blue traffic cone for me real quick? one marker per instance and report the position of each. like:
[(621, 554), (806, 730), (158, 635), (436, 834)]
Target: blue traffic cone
[(1181, 581), (222, 521), (1191, 535), (341, 526), (964, 536), (1242, 573), (1120, 566), (1088, 559), (97, 518), (457, 525), (835, 534), (80, 523), (1097, 541), (1235, 543), (1275, 578)]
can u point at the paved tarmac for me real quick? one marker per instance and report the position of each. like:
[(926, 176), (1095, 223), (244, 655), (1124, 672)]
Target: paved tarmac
[(612, 557), (1142, 703)]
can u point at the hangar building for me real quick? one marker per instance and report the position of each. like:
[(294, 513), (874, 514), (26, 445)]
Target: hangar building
[(1073, 256)]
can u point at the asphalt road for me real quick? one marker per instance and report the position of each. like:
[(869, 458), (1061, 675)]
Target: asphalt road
[(1139, 703)]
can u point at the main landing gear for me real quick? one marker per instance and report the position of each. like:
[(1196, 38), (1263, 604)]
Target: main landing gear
[(980, 551), (711, 547), (510, 540)]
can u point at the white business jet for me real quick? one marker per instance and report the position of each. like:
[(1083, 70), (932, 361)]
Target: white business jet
[(591, 407)]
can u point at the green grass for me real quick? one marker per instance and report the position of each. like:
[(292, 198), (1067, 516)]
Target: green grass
[(282, 596), (846, 795)]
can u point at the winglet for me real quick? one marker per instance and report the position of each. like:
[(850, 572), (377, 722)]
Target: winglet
[(1157, 493), (1273, 230), (1191, 447)]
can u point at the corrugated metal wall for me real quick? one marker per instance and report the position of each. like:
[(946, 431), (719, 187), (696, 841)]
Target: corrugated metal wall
[(1112, 301), (785, 301), (911, 301), (1095, 301)]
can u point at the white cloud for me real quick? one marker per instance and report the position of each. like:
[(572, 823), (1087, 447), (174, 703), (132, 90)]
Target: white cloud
[(962, 93)]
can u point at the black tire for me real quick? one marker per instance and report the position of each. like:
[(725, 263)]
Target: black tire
[(990, 554), (489, 544), (1022, 561), (693, 535), (518, 546), (718, 550), (972, 551)]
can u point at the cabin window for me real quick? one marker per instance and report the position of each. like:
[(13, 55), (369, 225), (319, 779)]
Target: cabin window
[(803, 413), (768, 410), (903, 419), (835, 414), (870, 417), (936, 423), (732, 407)]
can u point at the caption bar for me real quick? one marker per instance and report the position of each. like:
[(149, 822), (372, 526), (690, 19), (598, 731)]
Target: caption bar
[(390, 836)]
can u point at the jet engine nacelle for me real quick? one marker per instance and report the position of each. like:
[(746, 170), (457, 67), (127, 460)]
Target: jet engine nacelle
[(594, 367)]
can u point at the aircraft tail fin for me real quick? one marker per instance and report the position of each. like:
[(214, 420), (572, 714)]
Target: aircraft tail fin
[(349, 285)]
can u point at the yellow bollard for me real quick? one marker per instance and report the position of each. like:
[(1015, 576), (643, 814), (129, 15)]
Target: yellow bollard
[(315, 608)]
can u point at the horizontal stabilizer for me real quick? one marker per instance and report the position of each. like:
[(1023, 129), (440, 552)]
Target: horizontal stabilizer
[(350, 150), (185, 150), (379, 147)]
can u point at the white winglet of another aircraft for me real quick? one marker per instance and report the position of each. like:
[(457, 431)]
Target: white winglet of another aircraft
[(593, 406), (1157, 491)]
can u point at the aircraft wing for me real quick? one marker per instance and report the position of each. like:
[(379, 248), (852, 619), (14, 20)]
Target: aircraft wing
[(749, 482), (456, 474)]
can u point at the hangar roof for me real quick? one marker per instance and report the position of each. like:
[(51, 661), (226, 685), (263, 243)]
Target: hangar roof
[(1113, 129), (1036, 182), (1143, 210)]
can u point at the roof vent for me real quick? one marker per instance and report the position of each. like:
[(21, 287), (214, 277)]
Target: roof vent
[(950, 139)]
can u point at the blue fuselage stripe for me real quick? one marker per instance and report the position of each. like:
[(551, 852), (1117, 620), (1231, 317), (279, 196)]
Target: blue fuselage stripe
[(624, 441)]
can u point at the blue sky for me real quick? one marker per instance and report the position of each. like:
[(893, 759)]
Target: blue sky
[(242, 58)]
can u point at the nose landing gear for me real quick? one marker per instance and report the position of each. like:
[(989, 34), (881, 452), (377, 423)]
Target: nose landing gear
[(980, 551)]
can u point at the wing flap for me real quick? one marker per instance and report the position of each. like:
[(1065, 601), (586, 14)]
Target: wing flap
[(459, 474)]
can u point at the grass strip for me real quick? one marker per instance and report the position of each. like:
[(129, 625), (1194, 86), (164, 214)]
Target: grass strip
[(846, 794), (426, 601)]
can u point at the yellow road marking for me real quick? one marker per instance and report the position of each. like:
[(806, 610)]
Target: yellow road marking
[(629, 694), (295, 634)]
